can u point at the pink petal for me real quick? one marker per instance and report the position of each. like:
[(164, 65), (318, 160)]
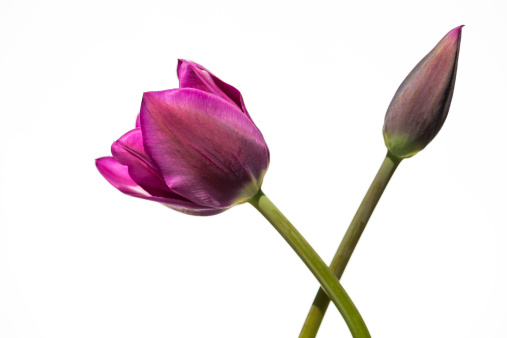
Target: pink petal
[(193, 75), (129, 151), (206, 149), (117, 175), (138, 121)]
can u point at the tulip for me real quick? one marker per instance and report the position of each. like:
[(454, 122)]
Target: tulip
[(420, 106), (414, 117), (194, 149)]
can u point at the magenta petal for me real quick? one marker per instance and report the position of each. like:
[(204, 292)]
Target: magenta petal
[(117, 175), (129, 151), (193, 75), (138, 121), (206, 149)]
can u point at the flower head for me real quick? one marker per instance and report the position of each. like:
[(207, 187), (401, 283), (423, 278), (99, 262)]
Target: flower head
[(194, 149), (420, 106)]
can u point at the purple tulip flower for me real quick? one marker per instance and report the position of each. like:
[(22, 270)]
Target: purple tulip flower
[(194, 149), (420, 106)]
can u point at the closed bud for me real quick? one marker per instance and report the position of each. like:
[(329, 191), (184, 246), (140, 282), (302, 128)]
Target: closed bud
[(420, 106)]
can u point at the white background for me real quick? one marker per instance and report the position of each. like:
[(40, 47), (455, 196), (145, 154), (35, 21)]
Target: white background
[(80, 259)]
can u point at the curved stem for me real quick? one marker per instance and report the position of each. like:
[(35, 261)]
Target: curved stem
[(329, 282), (349, 242)]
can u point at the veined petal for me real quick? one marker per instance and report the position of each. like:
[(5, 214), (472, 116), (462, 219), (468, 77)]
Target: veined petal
[(193, 75), (129, 151), (117, 175), (421, 104), (206, 150)]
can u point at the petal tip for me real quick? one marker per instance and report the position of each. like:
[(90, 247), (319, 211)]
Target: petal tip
[(183, 63), (99, 162), (148, 96), (180, 63), (456, 32)]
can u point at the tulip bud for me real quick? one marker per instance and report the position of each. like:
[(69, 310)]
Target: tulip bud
[(194, 149), (420, 106)]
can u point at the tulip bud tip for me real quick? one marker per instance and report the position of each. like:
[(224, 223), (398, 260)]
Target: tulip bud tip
[(458, 29)]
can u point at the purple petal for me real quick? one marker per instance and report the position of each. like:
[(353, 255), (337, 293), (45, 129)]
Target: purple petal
[(138, 121), (117, 175), (206, 149), (196, 210), (193, 75), (420, 106), (129, 151)]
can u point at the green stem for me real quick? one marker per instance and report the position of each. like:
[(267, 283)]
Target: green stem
[(329, 282), (349, 242)]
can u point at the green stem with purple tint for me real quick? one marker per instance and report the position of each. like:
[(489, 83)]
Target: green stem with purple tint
[(349, 242), (320, 270)]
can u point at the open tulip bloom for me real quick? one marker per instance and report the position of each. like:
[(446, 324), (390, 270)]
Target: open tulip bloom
[(196, 150)]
